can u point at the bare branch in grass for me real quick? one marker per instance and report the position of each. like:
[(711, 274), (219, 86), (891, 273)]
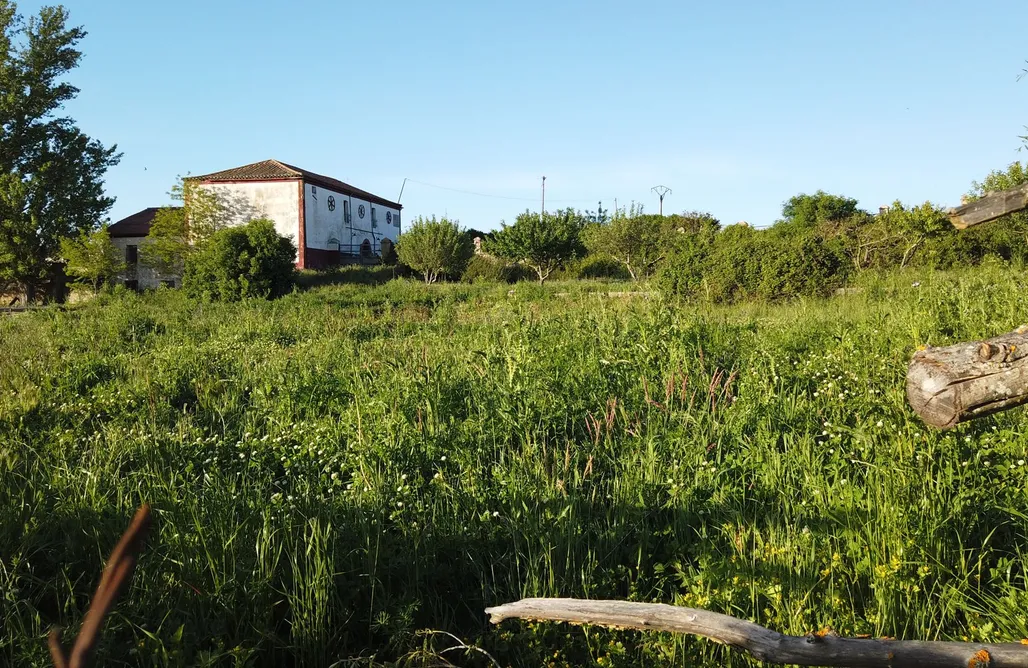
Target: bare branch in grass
[(819, 649), (114, 580)]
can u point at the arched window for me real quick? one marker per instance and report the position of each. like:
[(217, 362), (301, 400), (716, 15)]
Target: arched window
[(366, 248)]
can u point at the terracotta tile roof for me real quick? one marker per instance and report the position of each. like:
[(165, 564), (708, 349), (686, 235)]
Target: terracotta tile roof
[(273, 170), (136, 225)]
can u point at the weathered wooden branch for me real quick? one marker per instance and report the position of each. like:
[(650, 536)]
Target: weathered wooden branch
[(817, 649), (115, 578), (992, 206), (946, 386)]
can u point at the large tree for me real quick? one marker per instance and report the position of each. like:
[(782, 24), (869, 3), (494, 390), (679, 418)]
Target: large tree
[(51, 174)]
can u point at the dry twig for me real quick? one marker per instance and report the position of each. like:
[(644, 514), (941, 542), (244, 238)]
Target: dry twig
[(114, 579)]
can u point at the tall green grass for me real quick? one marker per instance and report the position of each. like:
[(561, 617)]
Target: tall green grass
[(334, 472)]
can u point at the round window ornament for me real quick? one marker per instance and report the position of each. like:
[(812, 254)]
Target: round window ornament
[(360, 211), (331, 203)]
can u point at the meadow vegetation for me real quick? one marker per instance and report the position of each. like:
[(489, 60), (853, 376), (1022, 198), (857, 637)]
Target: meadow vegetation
[(339, 472)]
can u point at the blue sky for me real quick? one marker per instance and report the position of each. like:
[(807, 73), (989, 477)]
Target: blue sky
[(736, 106)]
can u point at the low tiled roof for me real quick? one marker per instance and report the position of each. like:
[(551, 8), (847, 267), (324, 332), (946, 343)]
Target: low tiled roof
[(136, 225), (273, 170)]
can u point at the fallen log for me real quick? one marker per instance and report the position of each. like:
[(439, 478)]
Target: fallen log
[(953, 384), (817, 649), (992, 206)]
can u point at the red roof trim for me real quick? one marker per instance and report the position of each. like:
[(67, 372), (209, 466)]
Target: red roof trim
[(136, 225), (274, 170)]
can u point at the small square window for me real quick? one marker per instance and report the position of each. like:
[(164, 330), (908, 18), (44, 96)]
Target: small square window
[(132, 285), (168, 282)]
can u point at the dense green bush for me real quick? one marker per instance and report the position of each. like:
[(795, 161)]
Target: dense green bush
[(718, 267), (594, 266), (742, 263), (801, 266), (487, 268), (242, 262)]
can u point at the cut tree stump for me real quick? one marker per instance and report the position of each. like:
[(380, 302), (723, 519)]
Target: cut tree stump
[(953, 384), (823, 648), (992, 206)]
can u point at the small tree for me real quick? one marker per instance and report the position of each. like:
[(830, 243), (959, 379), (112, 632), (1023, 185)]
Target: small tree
[(804, 212), (252, 260), (915, 225), (205, 211), (167, 245), (542, 242), (642, 242), (435, 248), (92, 258), (177, 231)]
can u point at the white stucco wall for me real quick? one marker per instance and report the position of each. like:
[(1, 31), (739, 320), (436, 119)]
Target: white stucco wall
[(327, 226), (147, 277), (278, 201)]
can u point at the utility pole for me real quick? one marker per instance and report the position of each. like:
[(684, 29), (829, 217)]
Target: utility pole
[(543, 210), (661, 191)]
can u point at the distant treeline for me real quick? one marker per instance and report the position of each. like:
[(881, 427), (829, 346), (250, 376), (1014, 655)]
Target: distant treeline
[(821, 241)]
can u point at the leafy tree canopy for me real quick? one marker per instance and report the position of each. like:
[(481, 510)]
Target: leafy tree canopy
[(435, 248), (542, 242), (177, 231), (642, 242), (804, 212)]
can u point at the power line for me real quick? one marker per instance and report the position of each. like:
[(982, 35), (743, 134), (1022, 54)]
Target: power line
[(517, 199)]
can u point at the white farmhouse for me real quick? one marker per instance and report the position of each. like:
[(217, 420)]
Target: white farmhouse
[(331, 222)]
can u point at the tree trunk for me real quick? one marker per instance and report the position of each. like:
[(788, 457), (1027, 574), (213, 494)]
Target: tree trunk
[(992, 206), (910, 252), (950, 385)]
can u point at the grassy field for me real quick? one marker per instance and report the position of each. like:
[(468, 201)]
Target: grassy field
[(343, 474)]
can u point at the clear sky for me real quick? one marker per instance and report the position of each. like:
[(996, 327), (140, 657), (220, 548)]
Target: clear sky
[(736, 106)]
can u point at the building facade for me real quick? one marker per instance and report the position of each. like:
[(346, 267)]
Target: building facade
[(331, 222), (129, 235)]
